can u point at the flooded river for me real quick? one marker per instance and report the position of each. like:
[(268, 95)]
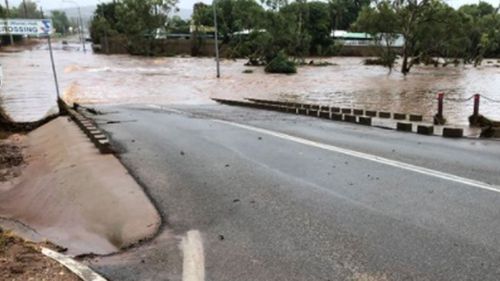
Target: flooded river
[(28, 92)]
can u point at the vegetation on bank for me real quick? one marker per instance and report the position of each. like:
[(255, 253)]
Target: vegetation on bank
[(260, 31), (431, 28)]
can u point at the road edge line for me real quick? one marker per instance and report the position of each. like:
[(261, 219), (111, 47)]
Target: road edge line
[(81, 270), (193, 264), (369, 157)]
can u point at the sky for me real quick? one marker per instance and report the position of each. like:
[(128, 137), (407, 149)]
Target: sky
[(188, 4)]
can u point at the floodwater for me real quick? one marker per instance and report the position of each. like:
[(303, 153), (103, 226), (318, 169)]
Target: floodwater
[(28, 93)]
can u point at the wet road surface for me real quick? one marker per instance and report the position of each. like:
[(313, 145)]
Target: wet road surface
[(283, 197)]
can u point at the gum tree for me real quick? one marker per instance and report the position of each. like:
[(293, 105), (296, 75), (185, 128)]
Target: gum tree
[(428, 27)]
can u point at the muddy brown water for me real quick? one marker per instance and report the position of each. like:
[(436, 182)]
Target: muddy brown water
[(28, 93)]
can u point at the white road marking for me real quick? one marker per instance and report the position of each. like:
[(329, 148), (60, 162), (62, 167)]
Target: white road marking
[(370, 157), (193, 267), (83, 271)]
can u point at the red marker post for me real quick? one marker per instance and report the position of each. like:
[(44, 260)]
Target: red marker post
[(438, 118), (440, 98), (477, 98)]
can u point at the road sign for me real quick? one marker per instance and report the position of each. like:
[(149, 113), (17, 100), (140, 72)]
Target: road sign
[(26, 27)]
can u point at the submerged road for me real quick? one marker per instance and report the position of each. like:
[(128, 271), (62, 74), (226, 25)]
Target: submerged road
[(257, 195)]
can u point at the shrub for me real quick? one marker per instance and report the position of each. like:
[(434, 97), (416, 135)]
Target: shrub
[(247, 71), (281, 64)]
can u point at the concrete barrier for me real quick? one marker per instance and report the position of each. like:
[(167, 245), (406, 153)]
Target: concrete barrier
[(399, 116), (324, 114), (358, 111), (371, 113), (453, 132), (365, 120), (350, 118), (416, 118), (313, 112), (384, 115), (404, 127), (336, 116), (425, 130), (104, 146)]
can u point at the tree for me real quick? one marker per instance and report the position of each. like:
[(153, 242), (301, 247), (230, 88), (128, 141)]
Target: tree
[(28, 9), (232, 16), (428, 27), (178, 25), (345, 12), (60, 21), (141, 18), (104, 22), (319, 26), (139, 21)]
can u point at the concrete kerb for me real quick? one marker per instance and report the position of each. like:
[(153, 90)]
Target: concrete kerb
[(371, 113), (346, 110), (90, 129), (384, 114), (367, 121), (81, 270), (404, 127), (416, 118), (358, 111), (350, 118), (399, 116), (453, 132), (427, 130), (330, 112)]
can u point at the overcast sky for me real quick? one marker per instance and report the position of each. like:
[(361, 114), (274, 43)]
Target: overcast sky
[(187, 4)]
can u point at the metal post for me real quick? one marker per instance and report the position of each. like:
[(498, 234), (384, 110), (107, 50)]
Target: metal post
[(53, 67), (440, 104), (25, 9), (80, 23), (476, 104), (81, 29), (216, 40), (439, 118), (7, 22)]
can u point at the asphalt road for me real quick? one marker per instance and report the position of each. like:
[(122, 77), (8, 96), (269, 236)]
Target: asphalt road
[(288, 197)]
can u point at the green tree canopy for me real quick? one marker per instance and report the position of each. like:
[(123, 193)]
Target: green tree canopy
[(60, 21), (428, 27)]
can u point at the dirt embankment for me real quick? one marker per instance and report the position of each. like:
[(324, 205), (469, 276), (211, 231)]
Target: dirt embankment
[(65, 191)]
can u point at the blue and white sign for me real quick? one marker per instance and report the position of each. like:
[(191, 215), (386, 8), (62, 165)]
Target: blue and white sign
[(26, 27)]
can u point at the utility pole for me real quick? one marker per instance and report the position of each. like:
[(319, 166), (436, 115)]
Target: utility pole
[(80, 23), (25, 9), (7, 21), (216, 40), (106, 42)]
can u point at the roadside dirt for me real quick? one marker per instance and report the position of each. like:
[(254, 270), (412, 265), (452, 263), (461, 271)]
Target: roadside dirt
[(22, 260), (11, 158)]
